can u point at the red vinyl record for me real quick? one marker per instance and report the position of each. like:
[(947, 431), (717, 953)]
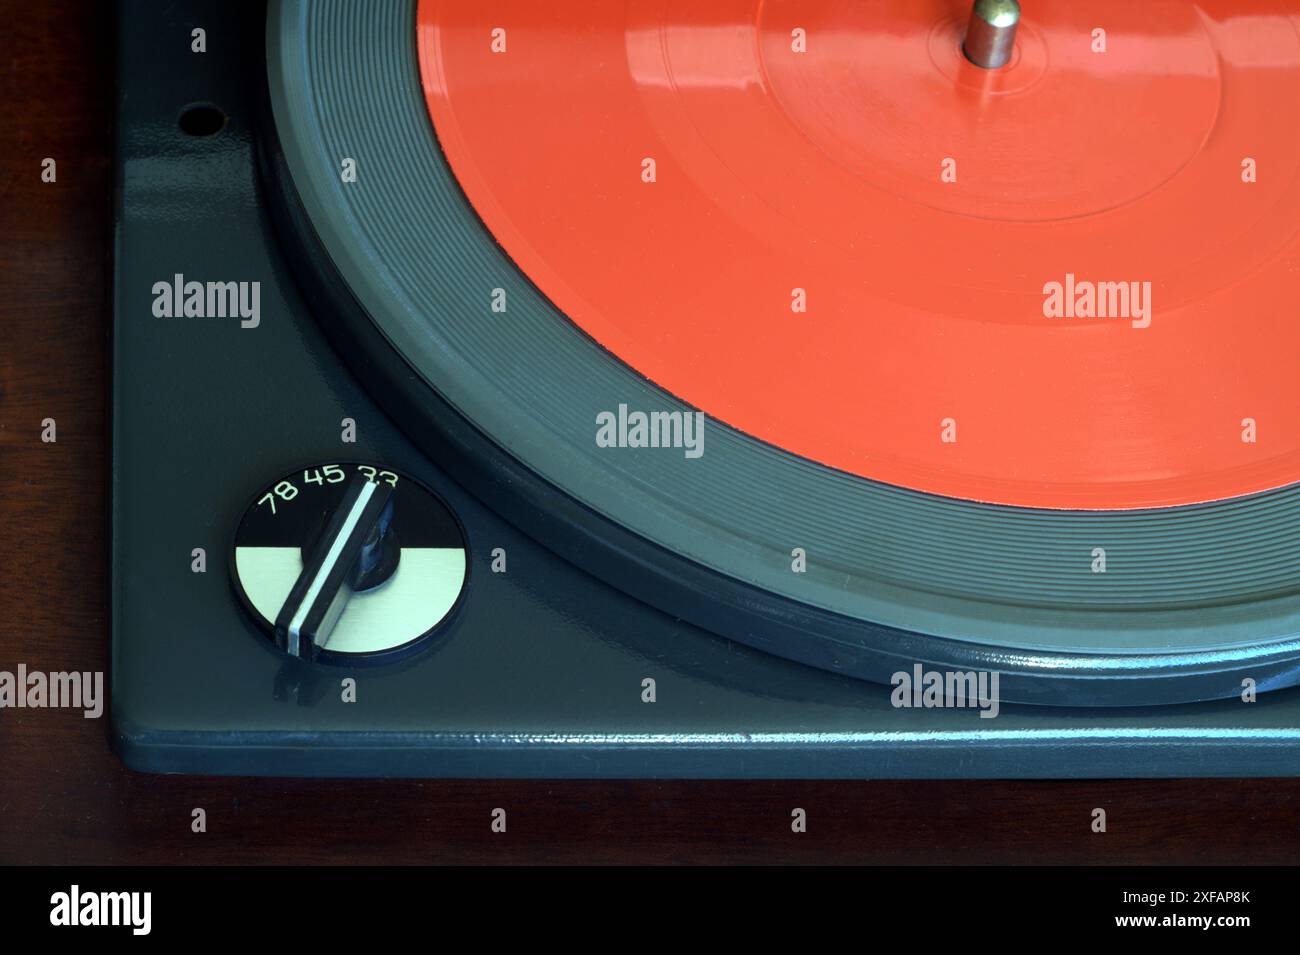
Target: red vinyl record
[(1065, 283)]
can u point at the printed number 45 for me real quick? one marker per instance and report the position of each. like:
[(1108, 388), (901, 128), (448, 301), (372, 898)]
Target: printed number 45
[(329, 474)]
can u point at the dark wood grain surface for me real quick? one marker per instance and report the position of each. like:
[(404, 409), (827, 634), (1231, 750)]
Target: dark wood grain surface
[(64, 798)]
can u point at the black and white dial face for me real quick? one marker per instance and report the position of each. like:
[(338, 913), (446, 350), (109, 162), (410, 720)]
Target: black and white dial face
[(283, 532)]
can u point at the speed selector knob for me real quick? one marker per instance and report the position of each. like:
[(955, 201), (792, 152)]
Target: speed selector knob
[(357, 535), (346, 560)]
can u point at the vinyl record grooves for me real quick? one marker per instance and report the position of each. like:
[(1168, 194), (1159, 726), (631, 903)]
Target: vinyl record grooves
[(906, 560)]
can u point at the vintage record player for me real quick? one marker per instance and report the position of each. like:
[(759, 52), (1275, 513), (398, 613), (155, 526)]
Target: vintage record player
[(811, 388)]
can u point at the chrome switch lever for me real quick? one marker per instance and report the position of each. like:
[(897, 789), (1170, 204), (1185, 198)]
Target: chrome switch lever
[(355, 552)]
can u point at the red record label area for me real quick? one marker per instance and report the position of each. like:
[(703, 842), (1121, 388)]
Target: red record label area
[(1067, 283)]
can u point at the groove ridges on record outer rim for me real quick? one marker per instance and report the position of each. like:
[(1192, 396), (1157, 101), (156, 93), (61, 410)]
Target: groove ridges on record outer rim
[(345, 83)]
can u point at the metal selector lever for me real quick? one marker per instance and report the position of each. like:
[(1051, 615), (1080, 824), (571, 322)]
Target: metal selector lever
[(356, 551)]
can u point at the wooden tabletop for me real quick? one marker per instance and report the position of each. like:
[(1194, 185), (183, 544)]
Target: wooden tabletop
[(64, 797)]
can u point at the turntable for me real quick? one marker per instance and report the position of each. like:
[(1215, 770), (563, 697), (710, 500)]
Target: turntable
[(664, 388)]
